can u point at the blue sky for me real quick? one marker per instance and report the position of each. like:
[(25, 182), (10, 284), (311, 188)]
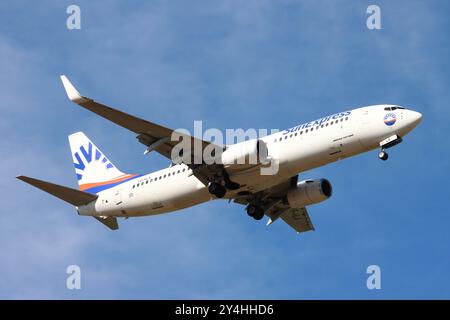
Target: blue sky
[(232, 64)]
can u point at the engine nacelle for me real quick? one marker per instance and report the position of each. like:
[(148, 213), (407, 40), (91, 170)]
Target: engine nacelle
[(250, 152), (309, 192)]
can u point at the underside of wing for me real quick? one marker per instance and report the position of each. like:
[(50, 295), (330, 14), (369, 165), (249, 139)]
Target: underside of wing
[(273, 201), (298, 219)]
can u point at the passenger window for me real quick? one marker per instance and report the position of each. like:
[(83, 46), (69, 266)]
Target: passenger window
[(301, 132)]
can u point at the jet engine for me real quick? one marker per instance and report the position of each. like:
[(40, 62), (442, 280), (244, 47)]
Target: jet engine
[(309, 192), (250, 152)]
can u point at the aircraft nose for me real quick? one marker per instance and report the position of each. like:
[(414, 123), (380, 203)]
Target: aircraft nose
[(415, 117)]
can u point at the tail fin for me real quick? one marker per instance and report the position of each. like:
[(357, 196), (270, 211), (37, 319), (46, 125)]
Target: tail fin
[(93, 169)]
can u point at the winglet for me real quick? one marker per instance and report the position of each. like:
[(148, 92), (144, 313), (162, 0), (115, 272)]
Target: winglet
[(71, 91)]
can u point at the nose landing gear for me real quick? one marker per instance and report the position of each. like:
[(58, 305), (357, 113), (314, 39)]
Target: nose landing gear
[(383, 155), (388, 143)]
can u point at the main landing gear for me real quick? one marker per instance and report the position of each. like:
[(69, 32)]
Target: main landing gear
[(256, 212), (217, 189)]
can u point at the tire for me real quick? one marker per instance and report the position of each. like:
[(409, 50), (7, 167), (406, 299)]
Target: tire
[(216, 189), (251, 210), (259, 214), (383, 155)]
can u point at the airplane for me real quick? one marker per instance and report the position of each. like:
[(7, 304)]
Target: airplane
[(106, 193)]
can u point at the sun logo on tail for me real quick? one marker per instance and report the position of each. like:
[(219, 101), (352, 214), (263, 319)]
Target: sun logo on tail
[(90, 155)]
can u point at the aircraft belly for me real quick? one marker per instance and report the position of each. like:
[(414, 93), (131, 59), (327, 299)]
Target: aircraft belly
[(253, 181), (166, 197)]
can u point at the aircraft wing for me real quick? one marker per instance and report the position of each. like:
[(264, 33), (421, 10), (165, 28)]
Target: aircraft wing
[(154, 136), (272, 199), (297, 218)]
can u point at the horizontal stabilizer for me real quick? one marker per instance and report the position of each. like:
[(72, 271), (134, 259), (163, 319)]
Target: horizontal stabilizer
[(72, 196), (110, 222)]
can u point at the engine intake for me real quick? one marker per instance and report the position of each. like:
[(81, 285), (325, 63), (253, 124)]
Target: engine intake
[(309, 192)]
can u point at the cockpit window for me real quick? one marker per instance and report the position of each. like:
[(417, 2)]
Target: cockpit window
[(393, 108)]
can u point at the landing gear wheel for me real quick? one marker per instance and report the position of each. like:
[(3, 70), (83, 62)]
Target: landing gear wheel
[(217, 190), (251, 210), (259, 214), (255, 212), (383, 155)]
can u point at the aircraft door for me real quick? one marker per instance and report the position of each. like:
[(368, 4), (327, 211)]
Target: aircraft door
[(117, 197), (365, 117), (335, 151)]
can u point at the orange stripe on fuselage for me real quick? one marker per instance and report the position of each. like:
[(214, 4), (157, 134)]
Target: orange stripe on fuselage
[(96, 184)]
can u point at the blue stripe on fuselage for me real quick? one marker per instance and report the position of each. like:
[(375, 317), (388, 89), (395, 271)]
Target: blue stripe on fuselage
[(97, 189)]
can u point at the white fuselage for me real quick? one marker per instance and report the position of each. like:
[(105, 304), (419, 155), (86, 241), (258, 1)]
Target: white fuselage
[(298, 149)]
